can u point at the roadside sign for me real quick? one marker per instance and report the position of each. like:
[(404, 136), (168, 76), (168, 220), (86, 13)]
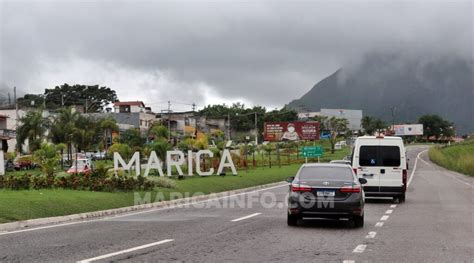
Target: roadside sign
[(312, 151)]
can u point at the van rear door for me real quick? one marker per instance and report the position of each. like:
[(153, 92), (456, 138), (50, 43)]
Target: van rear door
[(392, 159), (369, 165)]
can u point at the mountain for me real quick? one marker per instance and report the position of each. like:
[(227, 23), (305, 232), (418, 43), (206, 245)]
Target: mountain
[(414, 85)]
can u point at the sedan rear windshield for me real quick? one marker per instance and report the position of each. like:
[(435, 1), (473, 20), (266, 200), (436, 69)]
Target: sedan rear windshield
[(326, 173), (379, 156)]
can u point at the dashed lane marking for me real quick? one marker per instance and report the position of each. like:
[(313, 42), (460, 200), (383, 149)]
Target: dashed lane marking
[(245, 217), (379, 224), (389, 211), (371, 235), (125, 251), (359, 249), (384, 218)]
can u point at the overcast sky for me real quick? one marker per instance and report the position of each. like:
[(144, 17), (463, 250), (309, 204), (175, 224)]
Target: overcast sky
[(256, 52)]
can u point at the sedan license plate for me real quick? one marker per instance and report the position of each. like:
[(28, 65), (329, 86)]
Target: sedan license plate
[(326, 193)]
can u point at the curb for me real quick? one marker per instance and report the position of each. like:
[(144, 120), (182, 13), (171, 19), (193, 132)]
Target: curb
[(24, 224)]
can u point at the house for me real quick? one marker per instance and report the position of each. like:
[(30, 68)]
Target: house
[(8, 124), (6, 135), (130, 114), (186, 123)]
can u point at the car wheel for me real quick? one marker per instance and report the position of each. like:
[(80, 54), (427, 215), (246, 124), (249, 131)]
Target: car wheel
[(359, 221), (292, 220)]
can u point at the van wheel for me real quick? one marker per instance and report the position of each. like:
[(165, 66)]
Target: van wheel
[(292, 220), (401, 198), (359, 221)]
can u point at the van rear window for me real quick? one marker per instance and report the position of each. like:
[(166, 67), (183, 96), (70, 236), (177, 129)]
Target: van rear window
[(379, 156)]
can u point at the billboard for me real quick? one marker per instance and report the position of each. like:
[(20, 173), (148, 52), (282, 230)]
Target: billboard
[(408, 129), (291, 131)]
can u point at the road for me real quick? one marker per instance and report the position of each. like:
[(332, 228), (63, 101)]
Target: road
[(435, 224)]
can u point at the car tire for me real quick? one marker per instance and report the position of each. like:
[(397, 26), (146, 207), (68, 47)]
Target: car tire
[(401, 198), (292, 220), (359, 221)]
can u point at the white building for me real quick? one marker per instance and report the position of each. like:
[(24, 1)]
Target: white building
[(9, 124)]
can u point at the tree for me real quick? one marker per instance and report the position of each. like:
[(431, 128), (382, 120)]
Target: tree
[(47, 158), (158, 131), (32, 127), (86, 133), (336, 127), (372, 125), (108, 126), (435, 126), (94, 98), (63, 128), (160, 147), (132, 137), (123, 149)]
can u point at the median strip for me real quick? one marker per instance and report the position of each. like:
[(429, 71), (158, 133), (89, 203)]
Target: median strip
[(125, 251), (245, 217)]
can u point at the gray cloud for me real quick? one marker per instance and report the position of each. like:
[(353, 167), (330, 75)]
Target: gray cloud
[(194, 51)]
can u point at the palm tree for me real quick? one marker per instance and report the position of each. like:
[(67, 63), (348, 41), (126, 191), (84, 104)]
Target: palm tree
[(32, 128), (108, 125), (63, 128)]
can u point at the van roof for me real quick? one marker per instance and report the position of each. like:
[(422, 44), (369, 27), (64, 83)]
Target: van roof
[(381, 138)]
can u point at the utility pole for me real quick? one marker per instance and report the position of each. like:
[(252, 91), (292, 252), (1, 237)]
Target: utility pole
[(62, 100), (256, 130), (195, 120), (228, 126), (169, 121), (392, 109), (16, 106), (86, 106)]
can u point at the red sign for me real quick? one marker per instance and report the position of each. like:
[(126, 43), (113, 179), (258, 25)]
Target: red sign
[(291, 131)]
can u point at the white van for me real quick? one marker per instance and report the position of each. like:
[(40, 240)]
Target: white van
[(382, 161)]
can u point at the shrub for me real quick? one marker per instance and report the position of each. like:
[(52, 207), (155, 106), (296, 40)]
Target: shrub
[(165, 182), (92, 182), (17, 182), (39, 181)]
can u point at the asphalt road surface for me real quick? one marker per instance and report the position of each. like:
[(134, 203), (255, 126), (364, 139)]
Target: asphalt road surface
[(434, 225)]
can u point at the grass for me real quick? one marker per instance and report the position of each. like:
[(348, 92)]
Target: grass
[(30, 204), (458, 157)]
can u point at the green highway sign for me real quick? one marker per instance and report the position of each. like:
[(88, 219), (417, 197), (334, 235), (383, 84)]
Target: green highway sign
[(312, 151)]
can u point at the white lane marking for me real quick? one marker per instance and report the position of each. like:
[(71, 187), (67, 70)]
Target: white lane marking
[(393, 206), (389, 211), (125, 251), (414, 167), (384, 218), (379, 224), (371, 235), (348, 261), (359, 249), (427, 163), (245, 217), (450, 175), (140, 212)]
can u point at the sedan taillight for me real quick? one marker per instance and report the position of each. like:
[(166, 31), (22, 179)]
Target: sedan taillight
[(350, 189), (301, 188)]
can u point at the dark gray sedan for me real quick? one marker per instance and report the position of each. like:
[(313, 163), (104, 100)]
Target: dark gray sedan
[(326, 191)]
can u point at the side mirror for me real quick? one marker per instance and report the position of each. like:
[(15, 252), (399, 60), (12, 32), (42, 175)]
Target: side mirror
[(362, 180), (290, 179)]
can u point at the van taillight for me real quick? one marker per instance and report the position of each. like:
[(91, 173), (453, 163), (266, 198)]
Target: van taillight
[(301, 188), (404, 179), (350, 189)]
